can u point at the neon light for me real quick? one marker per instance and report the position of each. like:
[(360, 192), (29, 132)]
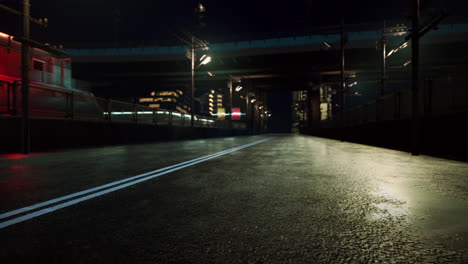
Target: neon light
[(236, 114)]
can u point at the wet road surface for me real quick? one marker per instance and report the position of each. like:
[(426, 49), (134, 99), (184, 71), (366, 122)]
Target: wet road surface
[(289, 199)]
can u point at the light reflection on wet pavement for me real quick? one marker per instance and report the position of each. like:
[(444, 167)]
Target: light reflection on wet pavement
[(293, 199)]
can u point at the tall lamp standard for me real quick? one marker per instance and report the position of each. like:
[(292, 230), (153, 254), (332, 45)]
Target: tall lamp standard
[(230, 103), (203, 61), (192, 109), (200, 10), (26, 44)]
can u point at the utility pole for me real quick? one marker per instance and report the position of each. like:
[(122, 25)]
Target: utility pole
[(25, 60), (343, 81), (247, 108), (25, 57), (384, 60), (192, 109), (230, 101), (415, 80)]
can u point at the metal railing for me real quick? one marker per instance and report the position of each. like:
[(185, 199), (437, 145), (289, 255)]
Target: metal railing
[(397, 106), (59, 103)]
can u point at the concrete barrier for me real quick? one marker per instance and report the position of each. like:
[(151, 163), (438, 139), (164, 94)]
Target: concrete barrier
[(52, 134), (444, 135)]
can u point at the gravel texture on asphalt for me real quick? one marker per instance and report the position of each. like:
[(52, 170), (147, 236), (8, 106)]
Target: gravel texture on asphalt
[(293, 199)]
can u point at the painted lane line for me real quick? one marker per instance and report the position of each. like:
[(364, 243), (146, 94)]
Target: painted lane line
[(122, 186), (73, 195)]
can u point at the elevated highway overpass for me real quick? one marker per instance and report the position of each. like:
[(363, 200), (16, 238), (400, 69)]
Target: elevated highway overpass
[(291, 63)]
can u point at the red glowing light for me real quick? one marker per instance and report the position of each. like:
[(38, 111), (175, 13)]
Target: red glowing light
[(236, 114), (14, 156)]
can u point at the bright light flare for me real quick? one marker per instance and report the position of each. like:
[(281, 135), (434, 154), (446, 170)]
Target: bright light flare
[(395, 50), (238, 88), (327, 45), (206, 60), (4, 35)]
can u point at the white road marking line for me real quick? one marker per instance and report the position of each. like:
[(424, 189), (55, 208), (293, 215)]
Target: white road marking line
[(96, 194), (66, 197)]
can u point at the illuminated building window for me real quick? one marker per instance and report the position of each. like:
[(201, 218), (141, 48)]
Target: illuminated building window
[(153, 93), (162, 99), (165, 93), (155, 105), (145, 100)]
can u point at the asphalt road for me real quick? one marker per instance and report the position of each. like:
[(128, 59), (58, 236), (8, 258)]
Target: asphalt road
[(288, 199)]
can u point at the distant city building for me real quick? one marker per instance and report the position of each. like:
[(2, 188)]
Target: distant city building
[(175, 100), (204, 104), (325, 102), (212, 103)]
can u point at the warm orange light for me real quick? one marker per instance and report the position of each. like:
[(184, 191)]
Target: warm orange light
[(4, 35)]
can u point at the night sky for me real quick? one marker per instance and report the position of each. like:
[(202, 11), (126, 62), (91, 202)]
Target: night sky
[(94, 21)]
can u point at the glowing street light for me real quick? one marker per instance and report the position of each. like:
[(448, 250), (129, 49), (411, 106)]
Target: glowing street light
[(206, 60), (327, 45), (352, 84), (201, 8), (395, 50), (238, 88)]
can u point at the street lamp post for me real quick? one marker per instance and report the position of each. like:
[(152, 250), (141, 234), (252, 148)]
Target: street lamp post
[(343, 81), (230, 102), (26, 125), (384, 60), (192, 109), (415, 80)]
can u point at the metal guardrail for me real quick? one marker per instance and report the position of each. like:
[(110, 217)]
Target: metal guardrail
[(50, 102), (397, 106)]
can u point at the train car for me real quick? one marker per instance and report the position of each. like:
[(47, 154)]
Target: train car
[(53, 92)]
